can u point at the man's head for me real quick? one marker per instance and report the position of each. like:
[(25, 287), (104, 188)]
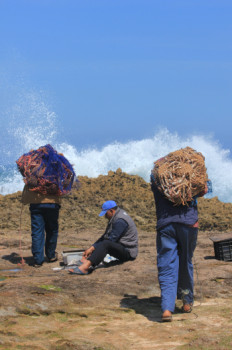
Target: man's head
[(108, 209)]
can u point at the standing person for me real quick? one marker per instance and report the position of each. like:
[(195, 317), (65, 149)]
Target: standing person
[(177, 229), (48, 175), (44, 210), (119, 240)]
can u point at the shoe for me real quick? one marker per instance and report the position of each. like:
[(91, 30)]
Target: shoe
[(167, 316), (53, 259), (187, 308), (37, 265), (77, 271)]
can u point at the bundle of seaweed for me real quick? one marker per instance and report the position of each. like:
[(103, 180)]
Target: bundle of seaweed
[(181, 175), (46, 171)]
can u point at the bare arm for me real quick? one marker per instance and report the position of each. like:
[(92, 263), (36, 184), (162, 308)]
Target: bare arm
[(88, 252)]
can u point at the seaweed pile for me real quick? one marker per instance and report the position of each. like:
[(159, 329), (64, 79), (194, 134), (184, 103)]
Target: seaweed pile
[(181, 175)]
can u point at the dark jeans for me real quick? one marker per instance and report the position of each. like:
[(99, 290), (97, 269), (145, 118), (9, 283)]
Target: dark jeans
[(44, 218), (105, 247)]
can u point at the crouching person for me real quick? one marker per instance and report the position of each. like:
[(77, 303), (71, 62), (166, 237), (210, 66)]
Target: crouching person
[(120, 239)]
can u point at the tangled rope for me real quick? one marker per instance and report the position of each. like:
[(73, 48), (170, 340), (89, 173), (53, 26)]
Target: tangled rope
[(181, 175), (46, 171)]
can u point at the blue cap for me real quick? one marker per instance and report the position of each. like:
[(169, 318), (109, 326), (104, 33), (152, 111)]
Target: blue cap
[(107, 206)]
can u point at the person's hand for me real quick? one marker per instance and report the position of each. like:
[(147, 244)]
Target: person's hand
[(88, 252)]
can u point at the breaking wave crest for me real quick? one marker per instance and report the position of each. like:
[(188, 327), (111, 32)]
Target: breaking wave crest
[(31, 124)]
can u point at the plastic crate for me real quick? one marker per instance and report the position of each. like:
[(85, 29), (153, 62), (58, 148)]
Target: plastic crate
[(72, 257), (223, 250), (223, 247)]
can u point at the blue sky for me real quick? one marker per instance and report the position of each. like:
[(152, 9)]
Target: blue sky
[(119, 70)]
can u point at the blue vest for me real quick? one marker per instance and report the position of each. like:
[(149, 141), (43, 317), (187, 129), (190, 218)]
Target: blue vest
[(167, 213)]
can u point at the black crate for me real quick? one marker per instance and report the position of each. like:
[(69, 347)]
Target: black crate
[(223, 250)]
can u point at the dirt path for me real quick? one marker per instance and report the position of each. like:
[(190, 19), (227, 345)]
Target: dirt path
[(114, 308)]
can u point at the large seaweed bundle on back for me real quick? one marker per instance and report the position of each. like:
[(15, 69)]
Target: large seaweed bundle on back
[(46, 171), (181, 175)]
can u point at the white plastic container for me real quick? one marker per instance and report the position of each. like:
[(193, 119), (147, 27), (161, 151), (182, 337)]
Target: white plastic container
[(72, 257)]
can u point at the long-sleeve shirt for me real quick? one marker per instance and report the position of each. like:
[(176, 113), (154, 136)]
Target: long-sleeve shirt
[(118, 228), (167, 213)]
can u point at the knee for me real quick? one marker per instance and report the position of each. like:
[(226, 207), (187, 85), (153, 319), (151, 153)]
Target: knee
[(105, 243)]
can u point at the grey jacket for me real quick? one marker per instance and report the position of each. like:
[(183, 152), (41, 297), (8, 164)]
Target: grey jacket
[(130, 238)]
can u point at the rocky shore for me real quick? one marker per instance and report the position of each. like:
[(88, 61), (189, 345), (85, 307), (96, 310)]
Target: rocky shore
[(81, 208), (117, 307)]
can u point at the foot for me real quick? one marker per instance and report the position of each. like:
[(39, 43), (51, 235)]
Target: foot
[(187, 308), (37, 265), (52, 260), (55, 258), (167, 316), (77, 271), (83, 269)]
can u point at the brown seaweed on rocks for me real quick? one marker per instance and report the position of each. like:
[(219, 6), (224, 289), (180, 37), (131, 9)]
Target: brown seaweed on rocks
[(80, 209)]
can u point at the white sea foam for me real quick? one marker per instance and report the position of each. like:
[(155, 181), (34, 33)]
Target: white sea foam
[(32, 124), (137, 157)]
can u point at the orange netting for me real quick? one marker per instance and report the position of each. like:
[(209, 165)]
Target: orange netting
[(46, 171)]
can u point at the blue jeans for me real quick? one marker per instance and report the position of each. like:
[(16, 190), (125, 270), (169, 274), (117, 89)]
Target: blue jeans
[(44, 218), (175, 246)]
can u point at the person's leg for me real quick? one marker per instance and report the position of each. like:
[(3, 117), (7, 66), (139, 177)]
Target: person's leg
[(102, 249), (37, 234), (167, 263), (51, 227), (187, 239), (108, 247)]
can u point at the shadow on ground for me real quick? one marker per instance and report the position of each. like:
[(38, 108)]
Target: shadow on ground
[(148, 307), (16, 259)]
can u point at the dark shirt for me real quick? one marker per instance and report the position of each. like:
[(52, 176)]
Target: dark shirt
[(118, 229), (167, 213)]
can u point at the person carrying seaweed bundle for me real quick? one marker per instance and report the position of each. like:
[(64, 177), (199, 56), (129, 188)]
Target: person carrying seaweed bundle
[(176, 182), (48, 176)]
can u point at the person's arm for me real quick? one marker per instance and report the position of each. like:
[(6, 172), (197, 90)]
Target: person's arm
[(99, 240), (88, 252), (118, 228)]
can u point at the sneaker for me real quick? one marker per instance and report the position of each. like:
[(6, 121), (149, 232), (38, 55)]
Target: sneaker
[(37, 265), (53, 259)]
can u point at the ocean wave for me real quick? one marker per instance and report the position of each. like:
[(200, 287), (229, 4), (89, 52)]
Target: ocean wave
[(31, 124), (137, 157)]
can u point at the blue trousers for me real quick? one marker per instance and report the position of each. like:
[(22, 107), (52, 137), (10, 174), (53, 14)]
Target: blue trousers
[(44, 218), (175, 246)]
